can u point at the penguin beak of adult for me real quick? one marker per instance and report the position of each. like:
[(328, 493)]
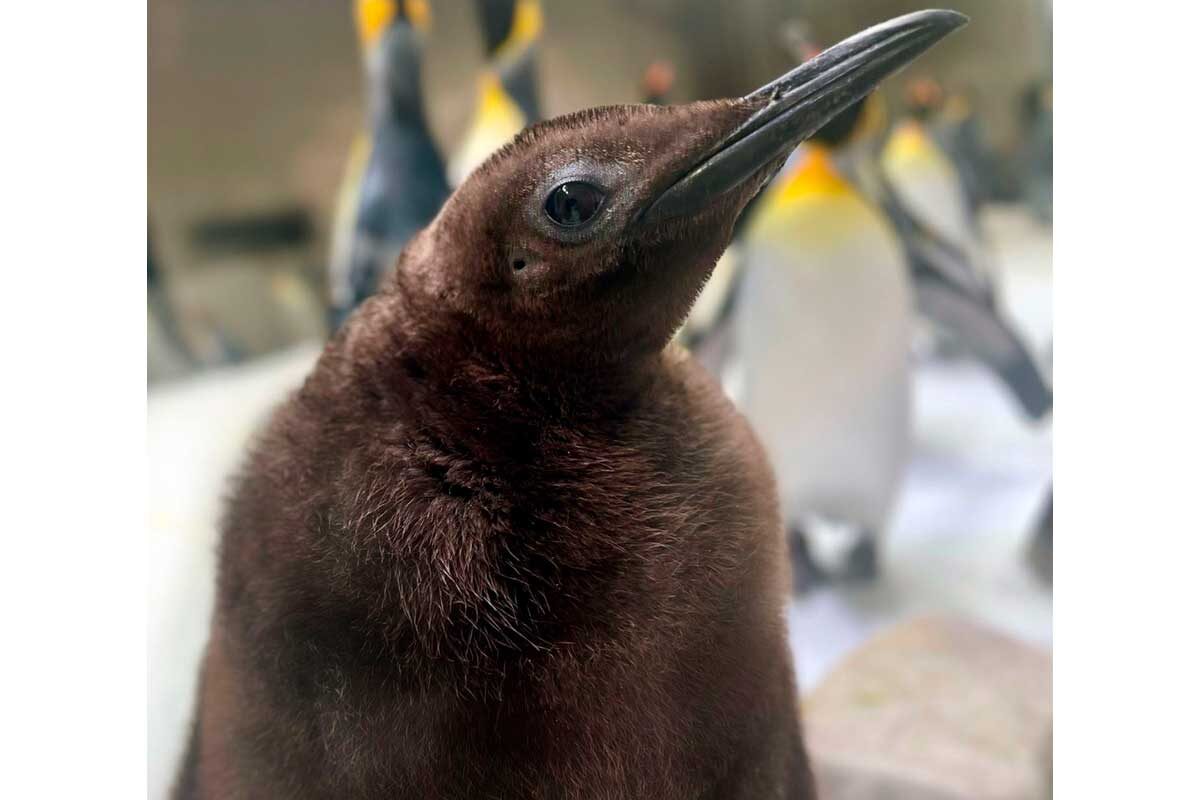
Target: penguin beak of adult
[(793, 107)]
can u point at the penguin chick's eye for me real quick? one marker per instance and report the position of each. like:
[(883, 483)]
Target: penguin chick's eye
[(573, 203)]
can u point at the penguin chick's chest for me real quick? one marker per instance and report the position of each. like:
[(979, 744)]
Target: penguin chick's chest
[(415, 608), (505, 556)]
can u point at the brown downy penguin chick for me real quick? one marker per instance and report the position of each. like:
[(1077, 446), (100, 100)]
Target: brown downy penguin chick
[(506, 542)]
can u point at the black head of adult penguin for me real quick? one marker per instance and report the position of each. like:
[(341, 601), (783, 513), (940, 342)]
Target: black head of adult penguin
[(584, 242)]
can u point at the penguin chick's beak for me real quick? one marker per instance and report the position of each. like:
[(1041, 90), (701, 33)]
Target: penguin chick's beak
[(795, 106)]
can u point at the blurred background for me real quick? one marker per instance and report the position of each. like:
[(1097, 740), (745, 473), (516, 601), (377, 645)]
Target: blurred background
[(926, 655), (253, 106)]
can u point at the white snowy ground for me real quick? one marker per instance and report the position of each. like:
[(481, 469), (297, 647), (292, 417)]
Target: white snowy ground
[(972, 494)]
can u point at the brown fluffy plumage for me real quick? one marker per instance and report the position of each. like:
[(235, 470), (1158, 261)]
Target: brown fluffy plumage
[(506, 541)]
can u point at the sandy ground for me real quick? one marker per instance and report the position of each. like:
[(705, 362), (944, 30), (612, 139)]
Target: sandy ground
[(972, 493)]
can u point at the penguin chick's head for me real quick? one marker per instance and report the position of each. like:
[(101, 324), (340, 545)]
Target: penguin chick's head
[(588, 237), (544, 247)]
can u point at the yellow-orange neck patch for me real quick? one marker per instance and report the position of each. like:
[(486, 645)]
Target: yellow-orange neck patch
[(492, 97), (526, 28), (371, 17), (909, 141), (417, 12), (815, 174), (495, 104)]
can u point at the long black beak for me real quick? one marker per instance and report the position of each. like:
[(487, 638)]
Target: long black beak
[(798, 104)]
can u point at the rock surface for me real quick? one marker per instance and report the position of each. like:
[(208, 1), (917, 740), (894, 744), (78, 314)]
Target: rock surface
[(934, 709)]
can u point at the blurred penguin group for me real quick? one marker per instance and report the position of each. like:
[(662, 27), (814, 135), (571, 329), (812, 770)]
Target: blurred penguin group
[(396, 180), (865, 248), (862, 257)]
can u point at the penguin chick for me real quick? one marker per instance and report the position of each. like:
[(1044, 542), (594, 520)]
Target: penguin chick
[(504, 541)]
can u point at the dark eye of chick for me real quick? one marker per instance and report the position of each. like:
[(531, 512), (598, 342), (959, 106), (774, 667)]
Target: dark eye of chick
[(573, 203)]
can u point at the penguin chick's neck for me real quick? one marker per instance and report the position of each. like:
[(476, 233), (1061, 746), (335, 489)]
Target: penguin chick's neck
[(406, 354)]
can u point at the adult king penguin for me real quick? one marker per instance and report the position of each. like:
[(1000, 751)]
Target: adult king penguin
[(821, 333), (395, 181), (951, 284), (925, 185), (508, 86), (808, 243), (959, 132), (919, 187), (506, 541)]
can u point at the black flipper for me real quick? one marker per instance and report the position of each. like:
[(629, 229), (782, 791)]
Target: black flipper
[(987, 337), (930, 254)]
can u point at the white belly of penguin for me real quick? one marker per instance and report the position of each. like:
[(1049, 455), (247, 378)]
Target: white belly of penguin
[(823, 333)]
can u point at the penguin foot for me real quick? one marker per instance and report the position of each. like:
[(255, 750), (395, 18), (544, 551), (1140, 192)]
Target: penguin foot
[(806, 574), (836, 549), (862, 563)]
